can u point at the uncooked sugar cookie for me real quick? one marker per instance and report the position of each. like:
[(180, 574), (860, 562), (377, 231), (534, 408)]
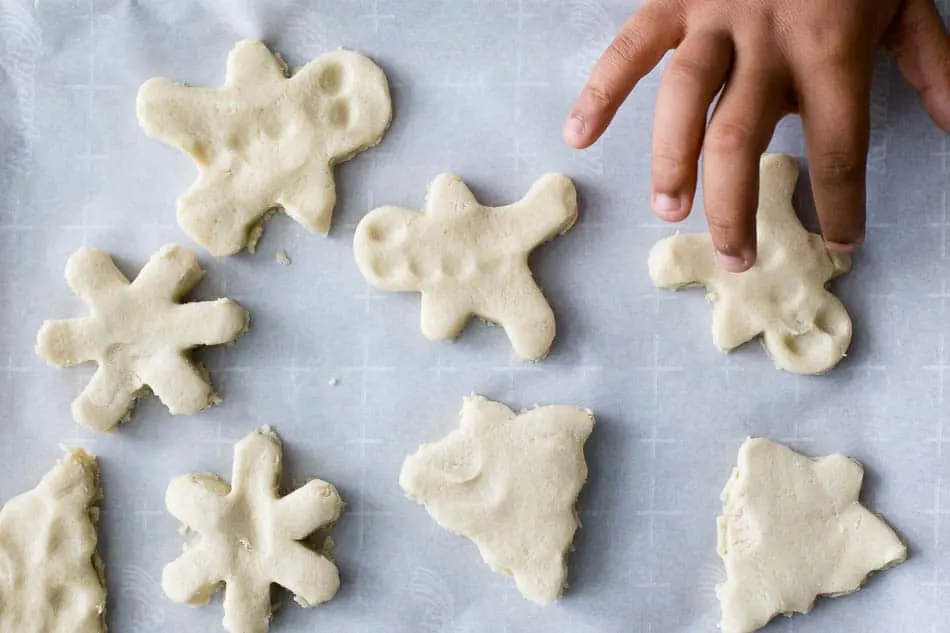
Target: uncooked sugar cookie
[(804, 328), (139, 334), (467, 259), (792, 530), (264, 140), (249, 537), (509, 483), (50, 575)]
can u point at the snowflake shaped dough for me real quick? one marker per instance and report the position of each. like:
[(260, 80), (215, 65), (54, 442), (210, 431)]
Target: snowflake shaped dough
[(792, 530), (249, 537), (468, 259), (509, 483), (804, 328), (264, 140), (139, 335), (50, 573)]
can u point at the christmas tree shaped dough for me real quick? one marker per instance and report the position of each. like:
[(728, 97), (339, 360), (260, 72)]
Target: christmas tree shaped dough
[(249, 537), (792, 530), (264, 140), (139, 334), (468, 259), (50, 575), (804, 328), (509, 483)]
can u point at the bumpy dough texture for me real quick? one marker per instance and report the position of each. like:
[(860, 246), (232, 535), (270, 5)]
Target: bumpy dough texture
[(468, 259), (792, 530), (50, 576), (806, 330), (263, 141), (139, 334), (509, 483), (249, 537)]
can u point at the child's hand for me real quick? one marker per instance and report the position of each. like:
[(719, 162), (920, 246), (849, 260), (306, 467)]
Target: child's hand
[(771, 57)]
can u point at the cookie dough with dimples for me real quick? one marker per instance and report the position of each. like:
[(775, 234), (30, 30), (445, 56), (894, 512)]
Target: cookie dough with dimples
[(804, 328), (265, 141)]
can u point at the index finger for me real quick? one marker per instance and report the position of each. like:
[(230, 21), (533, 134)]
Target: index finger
[(637, 48)]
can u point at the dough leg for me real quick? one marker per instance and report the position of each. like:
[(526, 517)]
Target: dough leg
[(310, 201), (214, 214), (732, 325), (441, 320), (211, 322), (176, 382), (191, 578), (107, 399), (307, 508), (310, 577), (188, 498), (527, 318), (246, 606), (66, 342)]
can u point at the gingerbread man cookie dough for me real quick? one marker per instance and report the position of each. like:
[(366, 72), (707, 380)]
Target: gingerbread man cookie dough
[(509, 483), (468, 259), (51, 577), (265, 141), (804, 328), (793, 529), (249, 537), (139, 335)]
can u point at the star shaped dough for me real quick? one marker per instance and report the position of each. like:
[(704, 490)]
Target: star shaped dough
[(468, 259), (783, 297), (792, 530), (50, 573), (249, 537), (263, 140), (509, 483), (139, 335)]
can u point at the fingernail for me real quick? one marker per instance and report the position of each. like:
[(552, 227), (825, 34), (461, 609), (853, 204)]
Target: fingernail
[(733, 263), (574, 127), (842, 247), (665, 205)]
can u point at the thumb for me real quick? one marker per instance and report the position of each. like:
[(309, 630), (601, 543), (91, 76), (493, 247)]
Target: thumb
[(919, 43)]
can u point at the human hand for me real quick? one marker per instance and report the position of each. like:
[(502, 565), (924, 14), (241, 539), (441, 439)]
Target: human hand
[(770, 58)]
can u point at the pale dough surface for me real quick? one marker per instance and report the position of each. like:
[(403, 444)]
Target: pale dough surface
[(509, 483), (139, 334), (468, 259), (793, 529), (263, 140), (249, 537), (50, 574), (804, 328)]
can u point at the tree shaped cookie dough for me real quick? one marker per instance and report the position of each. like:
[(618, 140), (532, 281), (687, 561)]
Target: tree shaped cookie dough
[(467, 259), (139, 335), (509, 483), (805, 329), (264, 140), (50, 575), (249, 537), (792, 530)]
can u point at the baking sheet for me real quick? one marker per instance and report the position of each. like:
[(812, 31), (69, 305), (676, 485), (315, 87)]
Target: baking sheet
[(480, 88)]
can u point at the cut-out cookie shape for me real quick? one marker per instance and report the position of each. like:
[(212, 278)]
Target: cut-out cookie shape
[(249, 537), (50, 574), (792, 530), (806, 329), (264, 140), (139, 335), (509, 483), (467, 259)]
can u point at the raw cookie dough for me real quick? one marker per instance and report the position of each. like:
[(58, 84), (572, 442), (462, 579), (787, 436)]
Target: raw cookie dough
[(806, 329), (792, 530), (249, 537), (264, 140), (138, 334), (468, 259), (508, 482), (50, 575)]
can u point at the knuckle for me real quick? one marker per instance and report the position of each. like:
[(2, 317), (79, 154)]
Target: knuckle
[(625, 47), (670, 169), (729, 137), (838, 167), (599, 94)]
